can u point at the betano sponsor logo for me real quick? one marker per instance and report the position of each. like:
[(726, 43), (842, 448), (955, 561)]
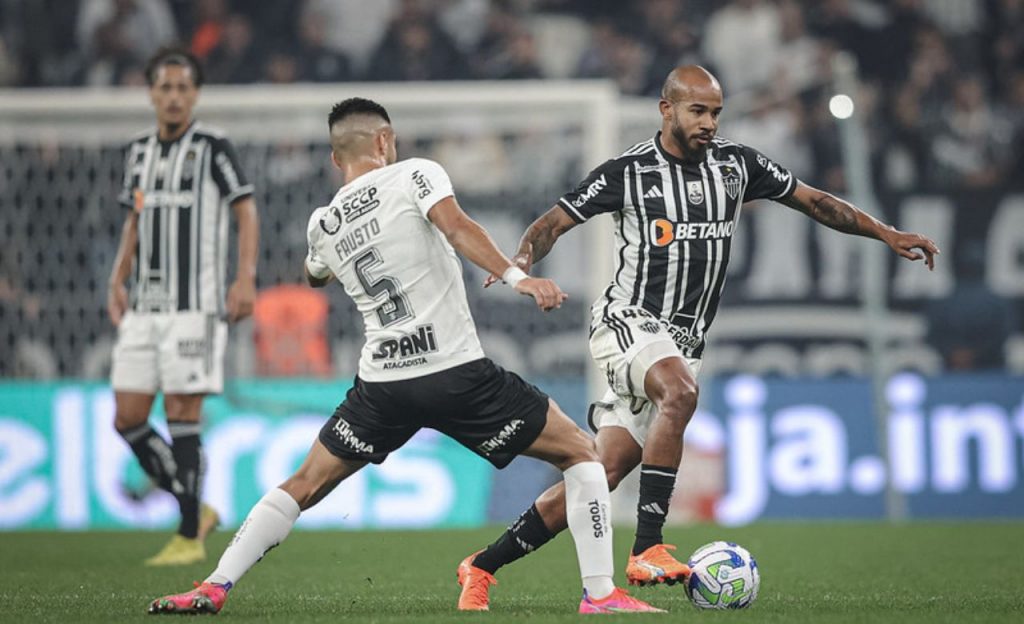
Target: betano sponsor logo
[(663, 232), (162, 199)]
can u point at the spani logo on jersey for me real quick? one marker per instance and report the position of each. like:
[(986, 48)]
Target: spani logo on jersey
[(423, 341), (723, 575), (664, 232)]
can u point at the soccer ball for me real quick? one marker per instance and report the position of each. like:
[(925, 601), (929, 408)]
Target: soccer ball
[(723, 575)]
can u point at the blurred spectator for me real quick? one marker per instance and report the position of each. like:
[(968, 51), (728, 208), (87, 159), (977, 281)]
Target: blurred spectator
[(474, 156), (671, 35), (281, 68), (894, 41), (859, 28), (802, 60), (972, 146), (415, 48), (956, 18), (354, 27), (507, 50), (40, 36), (465, 20), (1015, 112), (317, 62), (117, 36), (930, 73), (613, 54), (210, 18), (743, 41), (1005, 54), (236, 59)]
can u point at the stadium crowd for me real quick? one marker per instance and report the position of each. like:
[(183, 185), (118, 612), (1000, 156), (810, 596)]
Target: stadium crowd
[(942, 97), (945, 78)]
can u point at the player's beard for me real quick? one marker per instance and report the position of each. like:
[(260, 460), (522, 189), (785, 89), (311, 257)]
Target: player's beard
[(690, 154)]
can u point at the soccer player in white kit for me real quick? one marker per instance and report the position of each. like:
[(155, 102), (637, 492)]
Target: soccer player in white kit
[(390, 237)]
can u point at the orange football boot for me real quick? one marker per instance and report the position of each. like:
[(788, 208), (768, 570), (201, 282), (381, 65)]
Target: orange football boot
[(476, 584), (655, 565)]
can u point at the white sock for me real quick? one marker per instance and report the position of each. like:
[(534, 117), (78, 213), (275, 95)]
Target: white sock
[(267, 525), (588, 510)]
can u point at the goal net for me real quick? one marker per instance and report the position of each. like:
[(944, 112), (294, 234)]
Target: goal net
[(511, 150)]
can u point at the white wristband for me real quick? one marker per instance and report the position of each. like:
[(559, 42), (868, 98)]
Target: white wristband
[(513, 275)]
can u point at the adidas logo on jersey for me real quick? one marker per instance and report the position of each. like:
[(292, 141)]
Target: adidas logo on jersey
[(653, 193)]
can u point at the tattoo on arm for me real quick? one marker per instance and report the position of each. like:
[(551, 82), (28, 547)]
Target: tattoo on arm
[(540, 238), (836, 214)]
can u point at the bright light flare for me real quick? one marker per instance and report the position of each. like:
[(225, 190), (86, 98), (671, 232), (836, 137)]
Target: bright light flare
[(841, 106)]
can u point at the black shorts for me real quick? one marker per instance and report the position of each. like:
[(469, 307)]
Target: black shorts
[(490, 411)]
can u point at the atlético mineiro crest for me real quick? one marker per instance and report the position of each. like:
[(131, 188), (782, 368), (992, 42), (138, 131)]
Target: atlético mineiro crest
[(650, 327), (731, 180), (695, 192)]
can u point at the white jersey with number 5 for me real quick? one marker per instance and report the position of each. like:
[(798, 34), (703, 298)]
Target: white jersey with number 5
[(399, 269)]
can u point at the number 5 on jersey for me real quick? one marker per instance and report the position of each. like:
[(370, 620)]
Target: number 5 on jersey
[(397, 307)]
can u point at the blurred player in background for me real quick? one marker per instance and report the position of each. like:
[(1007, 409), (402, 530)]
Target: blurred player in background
[(390, 237), (675, 199), (180, 180)]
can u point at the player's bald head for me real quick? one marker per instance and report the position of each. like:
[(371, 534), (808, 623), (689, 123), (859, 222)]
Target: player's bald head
[(689, 82), (354, 125)]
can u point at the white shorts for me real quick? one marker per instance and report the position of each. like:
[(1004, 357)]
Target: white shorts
[(616, 341), (174, 353)]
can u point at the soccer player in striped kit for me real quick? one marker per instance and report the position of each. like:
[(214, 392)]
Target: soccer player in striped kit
[(392, 237), (182, 181), (675, 199)]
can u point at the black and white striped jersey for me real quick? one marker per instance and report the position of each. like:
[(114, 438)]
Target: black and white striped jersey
[(674, 223), (182, 191)]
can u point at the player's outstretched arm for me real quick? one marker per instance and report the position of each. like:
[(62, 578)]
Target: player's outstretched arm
[(538, 240), (472, 241), (242, 293), (117, 292), (844, 217)]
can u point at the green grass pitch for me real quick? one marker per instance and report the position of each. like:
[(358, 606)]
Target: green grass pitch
[(814, 573)]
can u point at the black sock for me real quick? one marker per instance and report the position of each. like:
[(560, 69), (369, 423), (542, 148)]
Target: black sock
[(188, 455), (153, 453), (524, 536), (656, 483)]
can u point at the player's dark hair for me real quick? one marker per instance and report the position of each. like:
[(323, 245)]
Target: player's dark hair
[(174, 56), (356, 106)]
